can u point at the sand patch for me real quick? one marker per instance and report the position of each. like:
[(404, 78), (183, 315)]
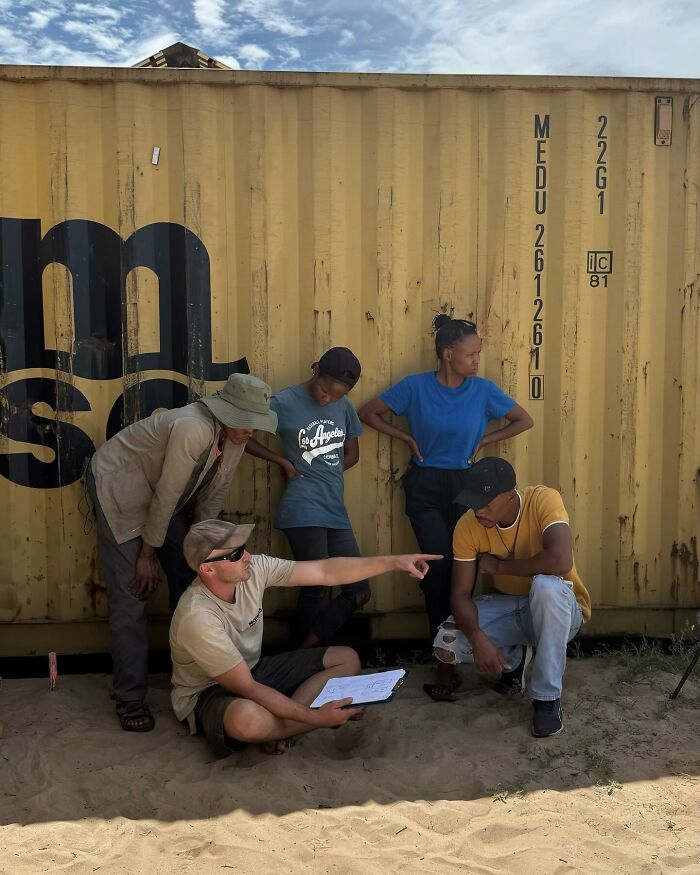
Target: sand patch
[(416, 787)]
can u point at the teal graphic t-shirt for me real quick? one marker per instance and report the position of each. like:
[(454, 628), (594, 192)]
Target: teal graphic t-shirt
[(313, 435)]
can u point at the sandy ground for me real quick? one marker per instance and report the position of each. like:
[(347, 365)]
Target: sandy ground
[(416, 787)]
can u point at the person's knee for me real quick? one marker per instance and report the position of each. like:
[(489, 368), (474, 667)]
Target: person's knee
[(244, 720), (443, 655), (446, 647), (343, 660), (545, 585)]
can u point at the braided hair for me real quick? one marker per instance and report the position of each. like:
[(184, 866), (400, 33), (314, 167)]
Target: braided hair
[(449, 331)]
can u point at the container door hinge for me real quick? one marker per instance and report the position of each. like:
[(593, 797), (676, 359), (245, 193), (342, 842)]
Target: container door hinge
[(663, 121)]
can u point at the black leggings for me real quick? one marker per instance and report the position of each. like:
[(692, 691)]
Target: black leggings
[(430, 495), (314, 612)]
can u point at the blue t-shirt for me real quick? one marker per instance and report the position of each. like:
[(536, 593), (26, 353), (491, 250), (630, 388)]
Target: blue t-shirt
[(313, 435), (447, 424)]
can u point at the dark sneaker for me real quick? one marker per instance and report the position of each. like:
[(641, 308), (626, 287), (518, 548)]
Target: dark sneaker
[(512, 683), (546, 718)]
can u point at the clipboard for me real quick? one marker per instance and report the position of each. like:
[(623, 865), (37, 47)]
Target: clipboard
[(376, 688)]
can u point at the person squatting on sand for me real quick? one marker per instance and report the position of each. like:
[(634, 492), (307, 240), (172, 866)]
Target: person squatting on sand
[(148, 483), (448, 411), (221, 686), (523, 540), (319, 430)]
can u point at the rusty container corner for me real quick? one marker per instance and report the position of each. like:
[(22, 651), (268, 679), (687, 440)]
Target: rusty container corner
[(162, 228)]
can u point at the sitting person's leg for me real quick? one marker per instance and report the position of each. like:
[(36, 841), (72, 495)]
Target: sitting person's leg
[(229, 722)]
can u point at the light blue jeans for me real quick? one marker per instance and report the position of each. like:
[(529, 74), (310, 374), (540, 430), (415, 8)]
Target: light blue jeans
[(546, 619)]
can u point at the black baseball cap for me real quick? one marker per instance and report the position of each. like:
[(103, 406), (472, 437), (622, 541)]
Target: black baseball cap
[(341, 364), (486, 479)]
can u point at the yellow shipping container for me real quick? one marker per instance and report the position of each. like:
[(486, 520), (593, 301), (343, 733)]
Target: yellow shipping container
[(159, 227)]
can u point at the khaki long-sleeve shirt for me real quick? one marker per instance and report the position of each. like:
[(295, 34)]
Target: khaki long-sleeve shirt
[(151, 469)]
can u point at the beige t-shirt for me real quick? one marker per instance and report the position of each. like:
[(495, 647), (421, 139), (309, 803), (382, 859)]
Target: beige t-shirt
[(209, 636)]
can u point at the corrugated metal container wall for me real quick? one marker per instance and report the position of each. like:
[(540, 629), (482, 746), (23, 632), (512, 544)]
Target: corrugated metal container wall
[(290, 212)]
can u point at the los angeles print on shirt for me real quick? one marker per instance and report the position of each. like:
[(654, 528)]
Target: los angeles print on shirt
[(321, 438)]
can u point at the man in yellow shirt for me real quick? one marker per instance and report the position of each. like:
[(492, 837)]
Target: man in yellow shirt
[(523, 540)]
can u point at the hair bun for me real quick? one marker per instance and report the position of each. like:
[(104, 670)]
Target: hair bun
[(441, 320)]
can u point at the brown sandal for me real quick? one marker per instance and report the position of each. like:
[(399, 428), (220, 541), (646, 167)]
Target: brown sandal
[(439, 693)]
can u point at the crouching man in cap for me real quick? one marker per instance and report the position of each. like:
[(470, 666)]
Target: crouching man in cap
[(221, 686), (523, 540), (147, 484)]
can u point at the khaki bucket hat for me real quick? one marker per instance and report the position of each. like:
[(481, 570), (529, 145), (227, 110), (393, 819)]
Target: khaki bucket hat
[(244, 402)]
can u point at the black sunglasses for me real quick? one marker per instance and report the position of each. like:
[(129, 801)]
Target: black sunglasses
[(233, 556)]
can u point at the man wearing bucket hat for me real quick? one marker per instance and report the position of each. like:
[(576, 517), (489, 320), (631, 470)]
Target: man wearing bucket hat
[(221, 686), (523, 540), (147, 484)]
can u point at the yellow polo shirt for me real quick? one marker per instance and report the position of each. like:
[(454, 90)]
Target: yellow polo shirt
[(540, 508)]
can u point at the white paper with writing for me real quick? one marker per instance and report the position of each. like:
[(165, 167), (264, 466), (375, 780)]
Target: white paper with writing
[(362, 688)]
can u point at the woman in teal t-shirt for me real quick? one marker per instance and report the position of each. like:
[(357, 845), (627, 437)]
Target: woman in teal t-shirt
[(448, 411), (319, 429)]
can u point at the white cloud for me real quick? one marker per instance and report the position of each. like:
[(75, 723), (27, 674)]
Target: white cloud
[(268, 14), (97, 11), (91, 32), (13, 49), (579, 37), (209, 15), (254, 56), (361, 66), (50, 51), (39, 19), (347, 37), (290, 53), (230, 61)]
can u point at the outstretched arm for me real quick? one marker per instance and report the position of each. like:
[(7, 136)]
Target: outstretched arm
[(334, 572), (372, 414)]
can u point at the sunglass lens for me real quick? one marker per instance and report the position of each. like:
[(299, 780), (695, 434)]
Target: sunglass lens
[(237, 553)]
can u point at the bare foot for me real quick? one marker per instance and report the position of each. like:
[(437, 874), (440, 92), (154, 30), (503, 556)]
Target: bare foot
[(274, 748), (280, 746)]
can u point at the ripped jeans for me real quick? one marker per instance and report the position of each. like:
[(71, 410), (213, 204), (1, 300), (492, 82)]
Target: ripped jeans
[(546, 619)]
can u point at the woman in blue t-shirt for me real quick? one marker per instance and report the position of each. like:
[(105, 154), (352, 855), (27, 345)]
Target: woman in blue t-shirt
[(319, 430), (448, 411)]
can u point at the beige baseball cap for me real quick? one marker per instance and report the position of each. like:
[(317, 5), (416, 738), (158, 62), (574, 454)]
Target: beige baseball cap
[(244, 402), (210, 535)]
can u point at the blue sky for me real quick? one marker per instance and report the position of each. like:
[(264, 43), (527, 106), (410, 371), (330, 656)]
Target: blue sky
[(576, 37)]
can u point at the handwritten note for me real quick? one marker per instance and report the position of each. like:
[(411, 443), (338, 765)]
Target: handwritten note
[(362, 688)]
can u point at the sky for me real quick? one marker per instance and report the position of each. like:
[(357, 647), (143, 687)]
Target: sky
[(572, 37)]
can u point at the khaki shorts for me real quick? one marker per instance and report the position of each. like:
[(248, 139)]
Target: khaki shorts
[(283, 672)]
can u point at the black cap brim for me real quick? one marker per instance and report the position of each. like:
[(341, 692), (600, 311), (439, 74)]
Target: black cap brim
[(472, 500)]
